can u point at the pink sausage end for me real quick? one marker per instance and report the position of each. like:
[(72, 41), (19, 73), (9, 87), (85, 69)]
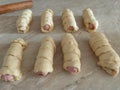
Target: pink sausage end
[(71, 28), (46, 27), (91, 26), (72, 69), (7, 77)]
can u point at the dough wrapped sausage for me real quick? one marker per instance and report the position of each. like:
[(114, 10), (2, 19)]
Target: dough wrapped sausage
[(68, 21), (89, 20), (71, 54), (109, 60), (47, 24), (44, 61), (11, 67), (24, 20)]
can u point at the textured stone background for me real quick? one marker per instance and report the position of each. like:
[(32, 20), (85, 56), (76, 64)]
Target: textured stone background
[(91, 77)]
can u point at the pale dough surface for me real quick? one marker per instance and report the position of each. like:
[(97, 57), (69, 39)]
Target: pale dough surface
[(109, 60), (68, 20), (24, 20), (71, 52), (13, 59), (44, 60), (47, 19), (89, 18)]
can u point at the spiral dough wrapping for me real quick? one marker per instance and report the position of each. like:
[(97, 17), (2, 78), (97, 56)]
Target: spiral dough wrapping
[(24, 20), (44, 61), (11, 67), (90, 21), (109, 60), (68, 21), (71, 54), (47, 24)]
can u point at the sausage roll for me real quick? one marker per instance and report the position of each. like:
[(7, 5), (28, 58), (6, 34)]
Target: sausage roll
[(71, 54), (68, 21), (47, 24), (44, 61), (24, 20), (89, 20), (109, 60), (11, 67)]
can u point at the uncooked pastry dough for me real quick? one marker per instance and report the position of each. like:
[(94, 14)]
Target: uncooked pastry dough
[(90, 21), (109, 60), (47, 24), (44, 60), (68, 21), (11, 67), (24, 20), (71, 54)]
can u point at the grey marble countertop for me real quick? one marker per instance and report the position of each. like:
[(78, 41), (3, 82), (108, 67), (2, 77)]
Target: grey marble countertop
[(91, 76)]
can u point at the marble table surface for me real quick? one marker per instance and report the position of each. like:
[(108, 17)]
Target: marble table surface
[(91, 76)]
